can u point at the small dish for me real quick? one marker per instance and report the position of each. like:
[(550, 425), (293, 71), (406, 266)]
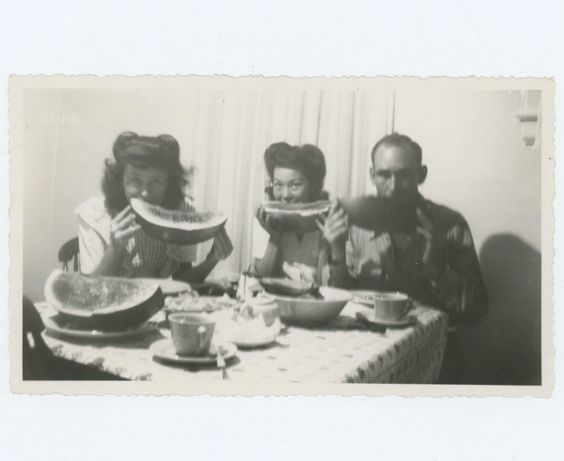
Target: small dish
[(256, 339), (164, 350), (247, 329)]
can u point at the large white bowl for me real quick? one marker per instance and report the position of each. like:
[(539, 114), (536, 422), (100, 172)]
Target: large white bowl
[(312, 312)]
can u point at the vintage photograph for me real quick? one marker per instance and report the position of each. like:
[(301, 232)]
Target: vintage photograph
[(281, 235)]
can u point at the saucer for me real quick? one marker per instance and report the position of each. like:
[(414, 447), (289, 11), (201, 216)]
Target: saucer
[(54, 326), (251, 343), (164, 350), (403, 323)]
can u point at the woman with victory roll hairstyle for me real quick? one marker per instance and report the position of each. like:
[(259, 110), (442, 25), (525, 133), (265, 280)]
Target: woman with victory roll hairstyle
[(112, 243), (296, 175)]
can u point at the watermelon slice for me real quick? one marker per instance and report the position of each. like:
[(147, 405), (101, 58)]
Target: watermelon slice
[(177, 226), (297, 217), (381, 214), (104, 303)]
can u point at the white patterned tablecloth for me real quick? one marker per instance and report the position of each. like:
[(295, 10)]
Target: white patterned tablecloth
[(341, 352)]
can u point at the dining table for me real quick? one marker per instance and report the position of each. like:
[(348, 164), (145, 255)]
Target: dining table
[(344, 350)]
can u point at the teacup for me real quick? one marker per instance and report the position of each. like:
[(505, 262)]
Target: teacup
[(191, 333), (391, 306)]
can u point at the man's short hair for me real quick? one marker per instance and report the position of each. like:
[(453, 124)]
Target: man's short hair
[(399, 140)]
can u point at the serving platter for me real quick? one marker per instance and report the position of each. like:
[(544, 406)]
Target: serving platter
[(55, 325)]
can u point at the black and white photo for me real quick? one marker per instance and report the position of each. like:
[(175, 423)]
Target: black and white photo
[(288, 236)]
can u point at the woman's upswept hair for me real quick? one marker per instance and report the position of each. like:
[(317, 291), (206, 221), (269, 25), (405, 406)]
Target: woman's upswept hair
[(308, 159), (144, 152)]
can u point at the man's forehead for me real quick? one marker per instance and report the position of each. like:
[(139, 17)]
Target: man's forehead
[(393, 156)]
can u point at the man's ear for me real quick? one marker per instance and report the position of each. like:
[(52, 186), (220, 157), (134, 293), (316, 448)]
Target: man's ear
[(422, 174), (372, 178)]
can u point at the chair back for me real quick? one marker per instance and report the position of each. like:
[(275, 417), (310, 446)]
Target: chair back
[(36, 355), (69, 252)]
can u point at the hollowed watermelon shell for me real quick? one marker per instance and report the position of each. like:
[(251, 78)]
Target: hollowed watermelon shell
[(177, 226), (104, 303), (297, 217)]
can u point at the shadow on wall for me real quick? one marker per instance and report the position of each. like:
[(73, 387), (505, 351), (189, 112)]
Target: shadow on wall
[(506, 347)]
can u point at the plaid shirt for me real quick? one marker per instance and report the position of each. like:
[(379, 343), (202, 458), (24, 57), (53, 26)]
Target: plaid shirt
[(145, 256), (460, 291)]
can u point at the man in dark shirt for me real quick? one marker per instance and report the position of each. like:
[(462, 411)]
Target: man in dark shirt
[(436, 263)]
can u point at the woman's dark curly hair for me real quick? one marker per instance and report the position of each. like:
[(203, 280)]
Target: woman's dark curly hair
[(307, 159), (145, 152)]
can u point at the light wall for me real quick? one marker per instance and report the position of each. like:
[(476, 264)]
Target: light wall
[(472, 142), (478, 164)]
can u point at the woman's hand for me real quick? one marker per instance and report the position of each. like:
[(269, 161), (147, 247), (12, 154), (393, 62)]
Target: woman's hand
[(221, 248), (122, 227), (334, 230)]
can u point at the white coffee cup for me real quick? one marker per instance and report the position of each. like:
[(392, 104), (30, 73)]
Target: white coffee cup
[(191, 333), (391, 306)]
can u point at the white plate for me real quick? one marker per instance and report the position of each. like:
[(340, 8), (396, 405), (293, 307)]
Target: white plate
[(53, 327), (164, 350), (252, 332)]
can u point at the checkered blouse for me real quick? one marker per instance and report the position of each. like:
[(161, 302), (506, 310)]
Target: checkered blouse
[(145, 255)]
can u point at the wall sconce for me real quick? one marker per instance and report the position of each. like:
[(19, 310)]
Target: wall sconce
[(529, 128), (529, 118)]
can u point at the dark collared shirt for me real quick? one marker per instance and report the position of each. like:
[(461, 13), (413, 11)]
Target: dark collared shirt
[(460, 291)]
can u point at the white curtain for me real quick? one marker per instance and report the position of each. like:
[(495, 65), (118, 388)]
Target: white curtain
[(223, 128), (228, 132)]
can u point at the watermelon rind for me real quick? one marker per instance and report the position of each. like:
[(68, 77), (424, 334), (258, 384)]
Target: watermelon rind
[(297, 217), (105, 303), (174, 226), (381, 214)]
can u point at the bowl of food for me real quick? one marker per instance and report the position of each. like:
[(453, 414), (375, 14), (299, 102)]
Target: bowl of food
[(192, 303), (311, 310), (286, 287)]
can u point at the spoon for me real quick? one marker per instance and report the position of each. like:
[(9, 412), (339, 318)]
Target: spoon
[(221, 363)]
